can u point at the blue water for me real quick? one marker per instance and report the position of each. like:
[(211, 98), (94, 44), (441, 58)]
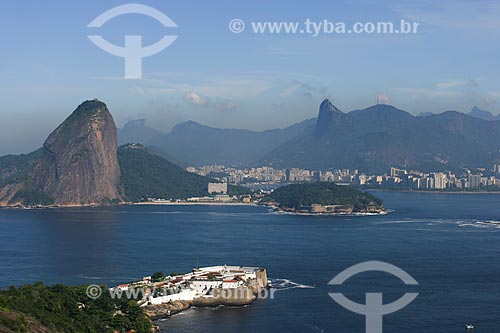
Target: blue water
[(445, 241)]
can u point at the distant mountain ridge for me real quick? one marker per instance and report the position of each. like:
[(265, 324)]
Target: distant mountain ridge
[(370, 139), (197, 145), (476, 112), (381, 136), (136, 131)]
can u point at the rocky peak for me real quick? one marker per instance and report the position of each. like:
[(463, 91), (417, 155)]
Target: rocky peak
[(326, 111), (79, 165), (482, 114)]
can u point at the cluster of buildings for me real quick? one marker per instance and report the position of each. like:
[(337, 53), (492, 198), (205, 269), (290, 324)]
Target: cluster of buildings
[(397, 178), (272, 175), (414, 179), (201, 285)]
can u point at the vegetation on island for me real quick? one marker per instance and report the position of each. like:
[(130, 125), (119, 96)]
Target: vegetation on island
[(51, 309), (297, 196)]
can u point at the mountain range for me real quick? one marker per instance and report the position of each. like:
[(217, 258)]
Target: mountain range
[(476, 112), (190, 143), (80, 162), (371, 139), (375, 138)]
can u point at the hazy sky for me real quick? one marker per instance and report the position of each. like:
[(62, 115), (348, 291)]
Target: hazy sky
[(245, 80)]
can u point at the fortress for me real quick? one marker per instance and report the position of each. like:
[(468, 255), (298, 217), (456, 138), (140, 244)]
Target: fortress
[(206, 286)]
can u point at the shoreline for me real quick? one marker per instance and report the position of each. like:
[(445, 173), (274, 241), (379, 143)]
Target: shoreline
[(434, 192), (191, 204), (285, 212), (137, 204), (254, 204)]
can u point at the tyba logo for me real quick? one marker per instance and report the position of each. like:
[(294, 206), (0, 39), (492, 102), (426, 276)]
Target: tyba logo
[(374, 308), (133, 51)]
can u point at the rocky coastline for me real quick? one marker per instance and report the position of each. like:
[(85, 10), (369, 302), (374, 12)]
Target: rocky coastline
[(221, 297)]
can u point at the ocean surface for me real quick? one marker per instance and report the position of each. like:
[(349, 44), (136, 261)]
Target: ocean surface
[(449, 243)]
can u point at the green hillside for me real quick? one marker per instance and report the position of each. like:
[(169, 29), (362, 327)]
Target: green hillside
[(146, 175), (40, 308)]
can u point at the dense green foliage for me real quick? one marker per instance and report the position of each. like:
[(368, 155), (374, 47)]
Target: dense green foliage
[(30, 197), (19, 169), (145, 175), (323, 193), (157, 276), (16, 168), (68, 309)]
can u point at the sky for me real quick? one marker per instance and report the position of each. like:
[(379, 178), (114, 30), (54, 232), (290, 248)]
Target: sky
[(247, 80)]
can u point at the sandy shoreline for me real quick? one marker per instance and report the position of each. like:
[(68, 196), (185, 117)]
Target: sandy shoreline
[(192, 204), (140, 204)]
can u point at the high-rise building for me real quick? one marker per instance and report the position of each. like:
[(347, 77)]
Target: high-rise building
[(474, 181), (440, 180), (394, 172)]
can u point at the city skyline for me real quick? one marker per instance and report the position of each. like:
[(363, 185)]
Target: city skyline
[(396, 178)]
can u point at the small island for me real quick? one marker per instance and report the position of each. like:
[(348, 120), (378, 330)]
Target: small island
[(202, 287), (323, 198)]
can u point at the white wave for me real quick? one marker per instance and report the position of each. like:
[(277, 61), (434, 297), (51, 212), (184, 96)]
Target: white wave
[(485, 224), (279, 212), (91, 277), (431, 221), (285, 284), (405, 221), (112, 278)]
